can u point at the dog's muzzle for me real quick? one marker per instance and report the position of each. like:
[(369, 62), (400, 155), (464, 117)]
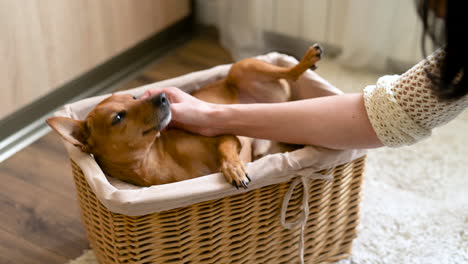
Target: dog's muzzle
[(162, 105)]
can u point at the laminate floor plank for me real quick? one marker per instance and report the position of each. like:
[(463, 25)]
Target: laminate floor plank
[(20, 250), (39, 215)]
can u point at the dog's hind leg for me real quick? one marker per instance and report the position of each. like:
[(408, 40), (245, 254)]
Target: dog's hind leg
[(251, 69), (262, 82), (312, 56), (231, 164)]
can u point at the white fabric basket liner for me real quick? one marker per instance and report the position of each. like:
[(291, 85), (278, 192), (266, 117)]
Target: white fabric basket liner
[(124, 198)]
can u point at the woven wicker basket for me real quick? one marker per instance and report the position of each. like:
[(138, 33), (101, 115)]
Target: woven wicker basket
[(206, 220), (242, 228)]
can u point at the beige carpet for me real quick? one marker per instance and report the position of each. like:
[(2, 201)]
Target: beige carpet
[(415, 203)]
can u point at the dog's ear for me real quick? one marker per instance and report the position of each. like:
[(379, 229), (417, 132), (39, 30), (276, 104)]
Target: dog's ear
[(73, 131)]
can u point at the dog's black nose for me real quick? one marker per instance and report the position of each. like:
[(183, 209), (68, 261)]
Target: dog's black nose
[(160, 100)]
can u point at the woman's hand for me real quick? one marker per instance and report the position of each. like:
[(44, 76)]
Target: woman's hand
[(188, 112), (337, 122)]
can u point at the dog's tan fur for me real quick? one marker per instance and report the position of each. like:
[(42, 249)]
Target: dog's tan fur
[(132, 149)]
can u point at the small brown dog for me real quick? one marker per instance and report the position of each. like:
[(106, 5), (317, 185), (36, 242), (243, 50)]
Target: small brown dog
[(125, 135)]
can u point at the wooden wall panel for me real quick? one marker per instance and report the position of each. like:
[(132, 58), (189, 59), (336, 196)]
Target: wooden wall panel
[(46, 43)]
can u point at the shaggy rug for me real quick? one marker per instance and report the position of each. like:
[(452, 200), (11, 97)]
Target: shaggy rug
[(415, 202)]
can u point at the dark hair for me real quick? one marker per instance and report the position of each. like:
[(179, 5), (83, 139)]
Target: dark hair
[(450, 84)]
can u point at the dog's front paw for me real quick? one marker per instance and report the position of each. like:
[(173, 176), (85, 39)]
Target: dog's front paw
[(235, 173)]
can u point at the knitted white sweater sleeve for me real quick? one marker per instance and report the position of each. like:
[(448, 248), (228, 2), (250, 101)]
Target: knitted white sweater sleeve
[(403, 110)]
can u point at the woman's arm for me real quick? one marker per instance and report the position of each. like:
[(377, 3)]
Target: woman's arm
[(338, 122)]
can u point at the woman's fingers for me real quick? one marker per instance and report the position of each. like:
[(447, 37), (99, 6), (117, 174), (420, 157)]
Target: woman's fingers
[(146, 94), (175, 94), (188, 112), (170, 91)]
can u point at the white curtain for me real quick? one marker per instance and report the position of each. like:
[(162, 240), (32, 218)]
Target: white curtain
[(370, 34)]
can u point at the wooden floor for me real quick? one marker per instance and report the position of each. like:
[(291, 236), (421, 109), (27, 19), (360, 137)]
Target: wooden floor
[(39, 217)]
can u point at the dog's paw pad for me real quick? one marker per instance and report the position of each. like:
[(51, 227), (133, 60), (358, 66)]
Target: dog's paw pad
[(318, 50)]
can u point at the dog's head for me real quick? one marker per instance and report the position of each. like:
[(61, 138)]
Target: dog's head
[(119, 125)]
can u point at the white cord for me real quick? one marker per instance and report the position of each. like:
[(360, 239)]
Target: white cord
[(302, 220)]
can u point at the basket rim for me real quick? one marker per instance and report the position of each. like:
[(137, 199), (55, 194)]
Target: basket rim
[(158, 198)]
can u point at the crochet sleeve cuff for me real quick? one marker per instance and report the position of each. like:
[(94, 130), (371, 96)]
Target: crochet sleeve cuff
[(393, 126)]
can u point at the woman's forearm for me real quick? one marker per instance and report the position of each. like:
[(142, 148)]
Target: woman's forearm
[(338, 122)]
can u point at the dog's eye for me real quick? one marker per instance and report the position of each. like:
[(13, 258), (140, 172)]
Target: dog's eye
[(134, 97), (118, 117)]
